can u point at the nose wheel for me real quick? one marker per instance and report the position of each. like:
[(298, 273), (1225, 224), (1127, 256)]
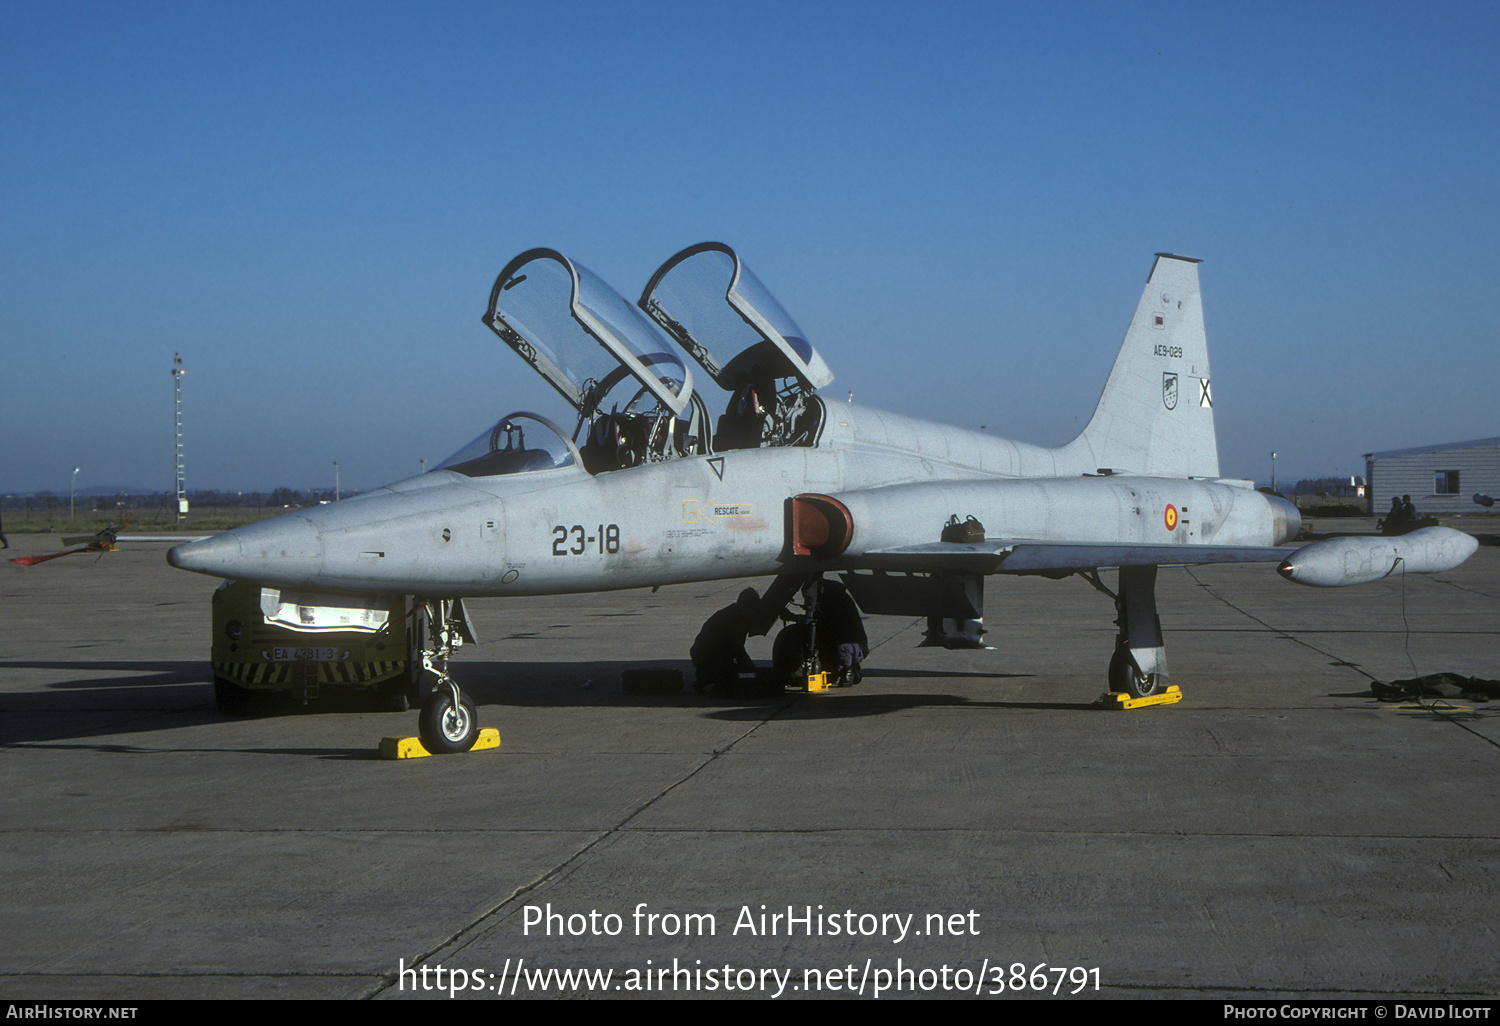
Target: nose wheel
[(449, 722)]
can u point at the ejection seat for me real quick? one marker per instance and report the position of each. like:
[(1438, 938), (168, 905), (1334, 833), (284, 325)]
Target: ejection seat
[(743, 423)]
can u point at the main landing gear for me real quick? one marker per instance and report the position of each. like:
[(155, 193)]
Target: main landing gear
[(448, 722), (806, 652), (1138, 667)]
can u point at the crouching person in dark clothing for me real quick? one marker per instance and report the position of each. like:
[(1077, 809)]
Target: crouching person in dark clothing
[(841, 633), (718, 653)]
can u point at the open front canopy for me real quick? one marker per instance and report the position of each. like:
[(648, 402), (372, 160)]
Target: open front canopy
[(581, 335), (719, 311)]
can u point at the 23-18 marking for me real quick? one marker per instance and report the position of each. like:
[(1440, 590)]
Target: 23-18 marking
[(607, 539)]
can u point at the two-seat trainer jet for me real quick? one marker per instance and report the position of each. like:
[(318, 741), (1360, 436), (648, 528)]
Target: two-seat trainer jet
[(651, 488)]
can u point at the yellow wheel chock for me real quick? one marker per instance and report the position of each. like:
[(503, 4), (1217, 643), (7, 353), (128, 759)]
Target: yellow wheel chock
[(411, 748), (1121, 700)]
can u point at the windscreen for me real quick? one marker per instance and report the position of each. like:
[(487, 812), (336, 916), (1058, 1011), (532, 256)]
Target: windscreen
[(518, 443)]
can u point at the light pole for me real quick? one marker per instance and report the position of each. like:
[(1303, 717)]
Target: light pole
[(177, 372), (72, 490), (335, 480), (1273, 471)]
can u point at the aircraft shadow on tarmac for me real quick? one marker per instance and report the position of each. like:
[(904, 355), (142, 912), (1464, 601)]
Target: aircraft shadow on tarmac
[(144, 673), (848, 705), (597, 684), (103, 698), (110, 698)]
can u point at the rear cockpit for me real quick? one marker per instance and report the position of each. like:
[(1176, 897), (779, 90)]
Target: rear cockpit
[(728, 321), (633, 395)]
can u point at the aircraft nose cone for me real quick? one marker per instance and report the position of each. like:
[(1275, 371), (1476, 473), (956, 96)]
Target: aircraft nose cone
[(284, 550), (206, 555)]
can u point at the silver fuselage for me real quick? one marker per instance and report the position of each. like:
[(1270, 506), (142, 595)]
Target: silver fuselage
[(556, 531)]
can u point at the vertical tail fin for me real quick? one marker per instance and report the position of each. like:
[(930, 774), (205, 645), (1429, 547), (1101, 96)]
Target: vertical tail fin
[(1156, 415)]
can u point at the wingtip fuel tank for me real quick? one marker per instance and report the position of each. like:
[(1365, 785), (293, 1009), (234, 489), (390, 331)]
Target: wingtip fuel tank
[(1339, 562)]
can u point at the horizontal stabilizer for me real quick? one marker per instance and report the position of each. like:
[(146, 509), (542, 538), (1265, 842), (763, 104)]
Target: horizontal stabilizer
[(1020, 557)]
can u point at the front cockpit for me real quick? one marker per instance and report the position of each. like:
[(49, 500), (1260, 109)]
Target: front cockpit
[(619, 365), (518, 443)]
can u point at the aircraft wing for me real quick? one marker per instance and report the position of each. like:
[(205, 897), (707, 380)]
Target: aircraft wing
[(1020, 556)]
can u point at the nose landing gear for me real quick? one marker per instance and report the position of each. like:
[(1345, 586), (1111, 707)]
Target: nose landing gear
[(448, 723)]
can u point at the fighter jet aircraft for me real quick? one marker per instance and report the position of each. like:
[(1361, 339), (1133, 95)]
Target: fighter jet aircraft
[(753, 473)]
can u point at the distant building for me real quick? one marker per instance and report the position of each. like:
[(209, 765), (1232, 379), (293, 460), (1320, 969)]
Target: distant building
[(1335, 487), (1439, 478)]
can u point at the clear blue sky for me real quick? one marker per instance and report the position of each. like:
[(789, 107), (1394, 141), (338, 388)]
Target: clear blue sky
[(959, 203)]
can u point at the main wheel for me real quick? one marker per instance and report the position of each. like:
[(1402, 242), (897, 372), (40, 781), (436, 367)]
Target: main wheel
[(445, 728), (1125, 677), (789, 657)]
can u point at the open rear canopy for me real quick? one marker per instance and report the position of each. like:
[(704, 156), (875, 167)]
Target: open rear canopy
[(719, 311)]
